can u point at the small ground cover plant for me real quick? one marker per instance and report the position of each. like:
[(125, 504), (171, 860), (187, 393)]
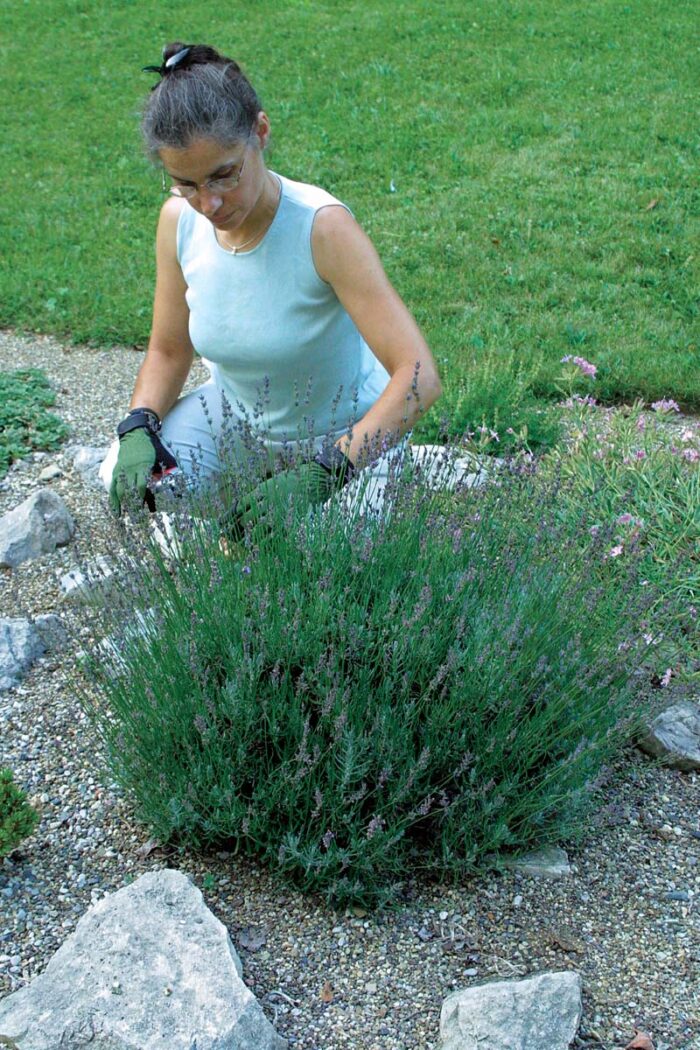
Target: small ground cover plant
[(25, 424), (357, 701), (17, 818)]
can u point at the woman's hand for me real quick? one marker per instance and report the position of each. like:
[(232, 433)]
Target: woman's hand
[(307, 483), (135, 463)]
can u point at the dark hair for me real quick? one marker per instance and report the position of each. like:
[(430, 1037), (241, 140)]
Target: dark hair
[(201, 94)]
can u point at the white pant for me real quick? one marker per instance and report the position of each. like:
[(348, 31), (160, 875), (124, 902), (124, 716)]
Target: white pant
[(201, 429)]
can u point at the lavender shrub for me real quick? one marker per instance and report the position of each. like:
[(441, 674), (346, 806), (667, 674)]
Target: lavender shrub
[(357, 700)]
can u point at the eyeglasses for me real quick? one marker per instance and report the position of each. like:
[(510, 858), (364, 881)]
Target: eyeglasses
[(220, 185)]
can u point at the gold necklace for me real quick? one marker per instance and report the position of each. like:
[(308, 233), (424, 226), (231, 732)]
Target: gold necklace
[(234, 249)]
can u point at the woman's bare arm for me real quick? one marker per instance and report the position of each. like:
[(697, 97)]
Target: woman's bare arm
[(170, 352), (345, 257)]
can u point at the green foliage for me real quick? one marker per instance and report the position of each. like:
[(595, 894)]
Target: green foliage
[(493, 401), (24, 422), (355, 702), (17, 818), (638, 473), (503, 157)]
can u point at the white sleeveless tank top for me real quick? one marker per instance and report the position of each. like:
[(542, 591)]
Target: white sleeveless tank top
[(265, 314)]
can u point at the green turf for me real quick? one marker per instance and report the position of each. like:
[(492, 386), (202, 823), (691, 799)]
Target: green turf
[(524, 142)]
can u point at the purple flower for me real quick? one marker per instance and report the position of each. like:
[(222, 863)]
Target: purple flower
[(691, 454), (327, 839), (375, 825), (665, 405), (246, 570), (640, 454), (586, 367), (624, 519), (588, 401)]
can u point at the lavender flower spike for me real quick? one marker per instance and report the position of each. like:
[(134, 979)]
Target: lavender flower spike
[(586, 367), (665, 405)]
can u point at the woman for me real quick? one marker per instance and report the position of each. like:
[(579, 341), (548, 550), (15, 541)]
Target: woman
[(278, 289)]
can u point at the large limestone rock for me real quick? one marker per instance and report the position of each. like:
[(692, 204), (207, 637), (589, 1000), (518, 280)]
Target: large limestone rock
[(38, 525), (538, 1013), (674, 736), (147, 967), (22, 642)]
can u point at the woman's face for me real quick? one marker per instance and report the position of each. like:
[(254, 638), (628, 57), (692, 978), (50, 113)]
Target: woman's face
[(204, 161)]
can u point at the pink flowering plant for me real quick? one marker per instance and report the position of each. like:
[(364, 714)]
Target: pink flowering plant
[(356, 700), (578, 372), (641, 472)]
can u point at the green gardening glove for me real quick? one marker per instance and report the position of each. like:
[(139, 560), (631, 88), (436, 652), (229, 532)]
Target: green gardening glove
[(307, 484), (135, 463)]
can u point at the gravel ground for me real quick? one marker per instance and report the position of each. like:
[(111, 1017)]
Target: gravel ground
[(626, 918)]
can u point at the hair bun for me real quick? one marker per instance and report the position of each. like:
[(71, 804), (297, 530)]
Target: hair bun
[(179, 56)]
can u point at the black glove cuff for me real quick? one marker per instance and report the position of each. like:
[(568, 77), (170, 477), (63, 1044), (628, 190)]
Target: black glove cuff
[(139, 417), (336, 463)]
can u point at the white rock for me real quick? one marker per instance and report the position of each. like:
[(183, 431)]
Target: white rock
[(550, 862), (90, 585), (674, 736), (538, 1013), (38, 525), (147, 967), (87, 459), (51, 472)]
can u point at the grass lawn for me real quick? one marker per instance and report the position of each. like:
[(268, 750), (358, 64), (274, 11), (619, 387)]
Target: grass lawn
[(528, 171)]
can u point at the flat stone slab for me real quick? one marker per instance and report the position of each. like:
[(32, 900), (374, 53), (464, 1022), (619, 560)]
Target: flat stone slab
[(551, 862), (147, 968), (674, 736), (538, 1013)]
